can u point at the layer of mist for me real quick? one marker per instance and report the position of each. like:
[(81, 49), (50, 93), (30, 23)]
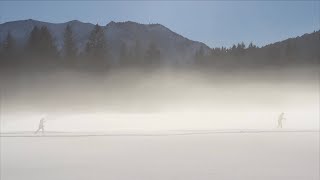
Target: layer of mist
[(160, 98)]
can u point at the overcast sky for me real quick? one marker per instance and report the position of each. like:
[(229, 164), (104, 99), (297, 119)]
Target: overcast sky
[(215, 23)]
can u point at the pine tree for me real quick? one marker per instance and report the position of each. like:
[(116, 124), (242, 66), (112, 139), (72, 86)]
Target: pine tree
[(290, 49), (123, 55), (241, 49), (252, 46), (137, 52), (96, 46), (8, 47), (199, 56), (233, 50), (33, 41), (47, 46), (41, 44), (70, 49)]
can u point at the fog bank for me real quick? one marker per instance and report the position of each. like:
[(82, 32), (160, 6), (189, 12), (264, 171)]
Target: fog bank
[(167, 98)]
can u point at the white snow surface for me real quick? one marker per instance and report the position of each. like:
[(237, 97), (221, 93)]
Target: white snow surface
[(223, 156)]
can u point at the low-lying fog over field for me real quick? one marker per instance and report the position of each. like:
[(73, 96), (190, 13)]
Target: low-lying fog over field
[(160, 99)]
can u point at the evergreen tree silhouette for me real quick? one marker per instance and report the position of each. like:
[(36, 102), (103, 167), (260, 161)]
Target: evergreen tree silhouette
[(290, 50), (252, 46), (96, 46), (40, 43), (233, 50), (137, 52), (47, 46), (123, 55), (9, 47), (33, 42), (199, 56), (240, 49), (70, 49)]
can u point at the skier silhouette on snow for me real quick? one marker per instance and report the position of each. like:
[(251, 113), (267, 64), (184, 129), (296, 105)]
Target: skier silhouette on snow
[(280, 120), (41, 126)]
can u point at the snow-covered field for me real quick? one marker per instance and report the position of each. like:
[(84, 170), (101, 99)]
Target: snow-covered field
[(245, 156)]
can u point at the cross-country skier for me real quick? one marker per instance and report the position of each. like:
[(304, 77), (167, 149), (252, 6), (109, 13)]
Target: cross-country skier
[(280, 120), (41, 126)]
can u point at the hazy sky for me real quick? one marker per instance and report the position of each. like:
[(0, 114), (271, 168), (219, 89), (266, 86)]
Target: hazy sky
[(215, 23)]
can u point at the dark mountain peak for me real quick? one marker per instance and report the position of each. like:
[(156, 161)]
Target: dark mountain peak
[(29, 20), (78, 23), (19, 22), (155, 25), (123, 24), (135, 24), (74, 21), (111, 23)]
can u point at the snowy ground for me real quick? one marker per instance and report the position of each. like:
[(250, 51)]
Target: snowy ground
[(245, 156)]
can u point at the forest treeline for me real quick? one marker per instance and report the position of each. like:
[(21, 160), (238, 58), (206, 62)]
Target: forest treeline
[(40, 50)]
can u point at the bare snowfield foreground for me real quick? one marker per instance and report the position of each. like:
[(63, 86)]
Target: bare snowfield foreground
[(259, 155)]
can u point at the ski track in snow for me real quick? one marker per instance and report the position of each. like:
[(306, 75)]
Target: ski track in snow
[(151, 133)]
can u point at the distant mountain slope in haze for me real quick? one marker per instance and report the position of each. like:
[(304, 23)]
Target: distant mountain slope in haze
[(173, 47), (20, 30), (298, 49)]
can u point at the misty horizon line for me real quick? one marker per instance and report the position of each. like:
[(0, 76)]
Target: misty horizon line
[(152, 24)]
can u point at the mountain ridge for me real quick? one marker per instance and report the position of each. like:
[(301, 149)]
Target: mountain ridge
[(37, 22), (170, 43), (173, 47)]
